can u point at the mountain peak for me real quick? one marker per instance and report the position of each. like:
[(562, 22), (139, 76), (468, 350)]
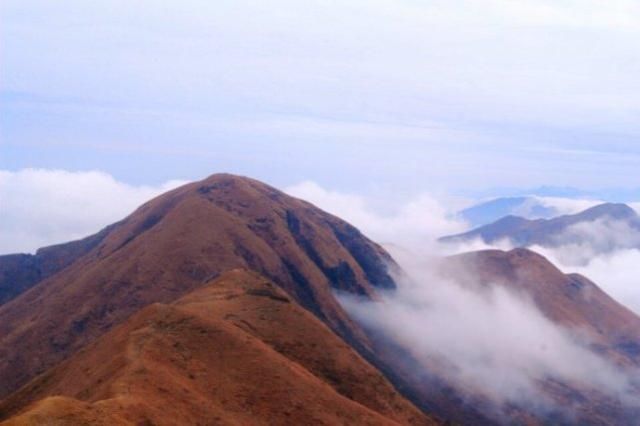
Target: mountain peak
[(176, 243), (612, 210), (228, 180)]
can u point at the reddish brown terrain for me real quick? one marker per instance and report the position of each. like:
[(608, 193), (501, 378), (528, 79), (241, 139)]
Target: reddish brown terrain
[(19, 272), (571, 300), (215, 303), (173, 245), (238, 350)]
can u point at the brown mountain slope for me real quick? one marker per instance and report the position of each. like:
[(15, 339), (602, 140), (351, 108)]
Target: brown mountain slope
[(20, 272), (237, 351), (568, 299), (174, 244)]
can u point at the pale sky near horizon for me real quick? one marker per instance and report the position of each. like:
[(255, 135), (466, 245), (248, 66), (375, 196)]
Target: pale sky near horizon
[(403, 95)]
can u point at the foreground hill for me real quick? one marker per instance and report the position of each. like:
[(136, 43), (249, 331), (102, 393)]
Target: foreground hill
[(176, 243), (238, 350), (521, 232)]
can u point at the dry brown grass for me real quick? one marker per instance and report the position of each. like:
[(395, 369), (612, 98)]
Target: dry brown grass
[(237, 351), (173, 245)]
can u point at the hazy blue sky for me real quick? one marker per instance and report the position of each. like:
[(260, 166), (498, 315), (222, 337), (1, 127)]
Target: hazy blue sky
[(403, 95)]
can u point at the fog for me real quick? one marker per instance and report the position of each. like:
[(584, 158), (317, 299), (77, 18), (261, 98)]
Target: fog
[(492, 341), (489, 340), (605, 251)]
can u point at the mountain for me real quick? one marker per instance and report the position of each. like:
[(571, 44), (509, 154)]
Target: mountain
[(571, 300), (217, 302), (575, 303), (494, 209), (175, 244), (238, 350), (557, 231), (20, 272)]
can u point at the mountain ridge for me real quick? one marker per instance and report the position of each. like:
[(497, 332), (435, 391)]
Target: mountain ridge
[(21, 271), (523, 232), (173, 244), (237, 350)]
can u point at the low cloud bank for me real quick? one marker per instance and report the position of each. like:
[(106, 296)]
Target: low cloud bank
[(417, 223), (42, 207), (493, 341), (559, 205), (607, 251), (616, 272)]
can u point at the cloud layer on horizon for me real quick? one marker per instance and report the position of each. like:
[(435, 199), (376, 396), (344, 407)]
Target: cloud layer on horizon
[(417, 222), (605, 256), (43, 207)]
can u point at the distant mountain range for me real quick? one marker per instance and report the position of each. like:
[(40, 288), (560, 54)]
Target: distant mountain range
[(622, 225), (217, 303), (492, 210)]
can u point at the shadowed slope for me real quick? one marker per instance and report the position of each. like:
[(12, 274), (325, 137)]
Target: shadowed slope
[(236, 351), (174, 244), (19, 272)]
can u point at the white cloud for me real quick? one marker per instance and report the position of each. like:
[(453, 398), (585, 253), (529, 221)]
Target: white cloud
[(560, 205), (616, 272), (416, 223), (40, 207), (497, 341), (606, 251), (491, 342)]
